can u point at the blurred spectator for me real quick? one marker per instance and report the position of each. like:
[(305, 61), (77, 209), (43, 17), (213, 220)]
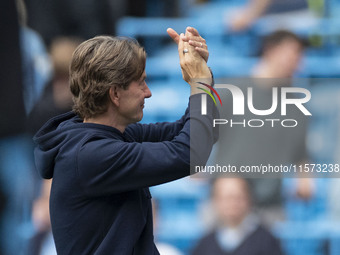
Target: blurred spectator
[(282, 13), (18, 92), (238, 230), (36, 64), (57, 98), (305, 199), (280, 57), (24, 71), (281, 54)]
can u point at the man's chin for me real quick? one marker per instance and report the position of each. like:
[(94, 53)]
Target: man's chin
[(138, 119)]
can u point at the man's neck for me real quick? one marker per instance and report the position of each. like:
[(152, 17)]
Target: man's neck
[(108, 119)]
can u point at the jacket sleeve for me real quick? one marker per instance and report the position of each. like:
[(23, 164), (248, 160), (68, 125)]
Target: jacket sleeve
[(107, 166)]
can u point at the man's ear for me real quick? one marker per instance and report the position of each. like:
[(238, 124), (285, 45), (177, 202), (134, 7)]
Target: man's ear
[(114, 95)]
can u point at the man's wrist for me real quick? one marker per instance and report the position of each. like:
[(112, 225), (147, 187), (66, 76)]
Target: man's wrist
[(201, 85), (212, 78)]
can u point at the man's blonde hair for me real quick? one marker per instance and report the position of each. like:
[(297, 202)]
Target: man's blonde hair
[(97, 65)]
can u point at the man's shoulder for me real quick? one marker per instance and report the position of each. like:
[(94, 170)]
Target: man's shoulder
[(207, 245), (264, 240), (208, 239), (264, 234)]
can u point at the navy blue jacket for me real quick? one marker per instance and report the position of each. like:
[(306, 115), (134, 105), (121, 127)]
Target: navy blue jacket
[(100, 201)]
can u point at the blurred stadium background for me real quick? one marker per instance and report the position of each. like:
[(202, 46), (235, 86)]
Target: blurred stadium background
[(310, 227)]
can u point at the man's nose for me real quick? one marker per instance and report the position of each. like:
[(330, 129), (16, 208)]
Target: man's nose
[(147, 91)]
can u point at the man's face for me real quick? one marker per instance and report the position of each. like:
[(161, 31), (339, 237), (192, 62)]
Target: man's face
[(231, 200), (286, 56), (132, 101)]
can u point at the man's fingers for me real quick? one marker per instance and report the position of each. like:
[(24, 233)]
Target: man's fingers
[(203, 53), (180, 44), (195, 38), (173, 34), (193, 31), (190, 34), (198, 44)]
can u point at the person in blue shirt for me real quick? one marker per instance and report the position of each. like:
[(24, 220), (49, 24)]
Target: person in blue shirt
[(102, 161), (238, 230)]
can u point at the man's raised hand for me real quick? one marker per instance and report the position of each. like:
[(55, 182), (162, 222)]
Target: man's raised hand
[(194, 39)]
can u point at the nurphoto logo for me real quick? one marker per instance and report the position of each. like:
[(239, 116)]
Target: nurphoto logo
[(239, 105)]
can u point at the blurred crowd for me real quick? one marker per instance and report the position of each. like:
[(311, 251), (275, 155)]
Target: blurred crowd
[(226, 215)]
